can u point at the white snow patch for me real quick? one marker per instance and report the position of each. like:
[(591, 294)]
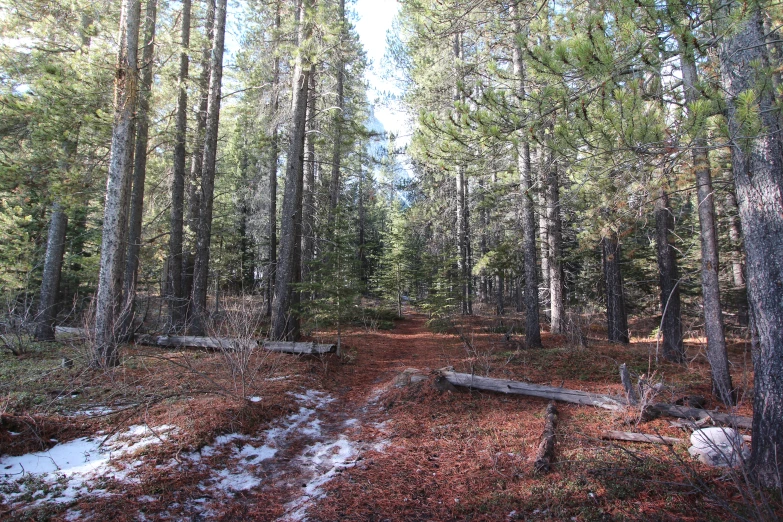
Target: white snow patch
[(273, 379), (322, 460), (255, 399), (67, 470)]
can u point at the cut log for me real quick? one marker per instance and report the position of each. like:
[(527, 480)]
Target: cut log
[(546, 448), (535, 390), (684, 412), (640, 437)]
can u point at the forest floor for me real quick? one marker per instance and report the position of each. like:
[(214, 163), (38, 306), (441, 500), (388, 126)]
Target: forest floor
[(186, 435)]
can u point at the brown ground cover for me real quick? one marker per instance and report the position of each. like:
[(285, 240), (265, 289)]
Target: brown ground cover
[(415, 453)]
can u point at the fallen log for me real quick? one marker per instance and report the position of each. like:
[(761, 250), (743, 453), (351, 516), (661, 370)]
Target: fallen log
[(69, 332), (546, 448), (684, 412), (223, 343), (640, 437), (535, 390), (186, 341), (299, 348)]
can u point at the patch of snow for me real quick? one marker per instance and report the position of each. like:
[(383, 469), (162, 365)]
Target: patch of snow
[(322, 461), (351, 422), (68, 469), (255, 399)]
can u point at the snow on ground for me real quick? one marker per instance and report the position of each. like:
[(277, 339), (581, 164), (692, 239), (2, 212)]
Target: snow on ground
[(67, 471), (235, 462)]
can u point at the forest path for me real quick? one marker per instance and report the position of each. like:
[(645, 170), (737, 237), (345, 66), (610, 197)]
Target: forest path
[(351, 421)]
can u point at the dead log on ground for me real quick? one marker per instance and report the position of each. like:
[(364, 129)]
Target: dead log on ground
[(684, 412), (70, 333), (535, 390), (224, 343), (546, 448), (186, 341), (640, 437), (299, 348)]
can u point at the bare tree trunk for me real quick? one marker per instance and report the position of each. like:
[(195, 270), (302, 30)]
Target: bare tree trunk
[(671, 325), (308, 197), (532, 326), (543, 229), (139, 171), (176, 294), (284, 321), (50, 283), (617, 320), (555, 239), (109, 293), (735, 234), (201, 267), (193, 192), (713, 316), (757, 163), (273, 158), (499, 293), (334, 185)]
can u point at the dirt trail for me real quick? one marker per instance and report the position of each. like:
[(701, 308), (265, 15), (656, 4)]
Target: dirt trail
[(352, 424)]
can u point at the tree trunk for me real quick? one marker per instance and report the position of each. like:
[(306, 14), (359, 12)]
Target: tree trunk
[(671, 326), (273, 158), (543, 230), (139, 171), (499, 290), (555, 239), (735, 234), (201, 267), (284, 322), (617, 320), (193, 193), (532, 326), (308, 194), (334, 185), (757, 162), (109, 293), (175, 291), (713, 316), (50, 283)]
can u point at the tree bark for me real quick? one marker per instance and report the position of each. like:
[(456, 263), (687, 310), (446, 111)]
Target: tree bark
[(532, 326), (176, 295), (671, 326), (193, 193), (757, 164), (139, 171), (617, 320), (334, 184), (546, 448), (713, 316), (273, 159), (284, 320), (50, 284), (308, 196), (109, 293), (555, 239), (201, 266)]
